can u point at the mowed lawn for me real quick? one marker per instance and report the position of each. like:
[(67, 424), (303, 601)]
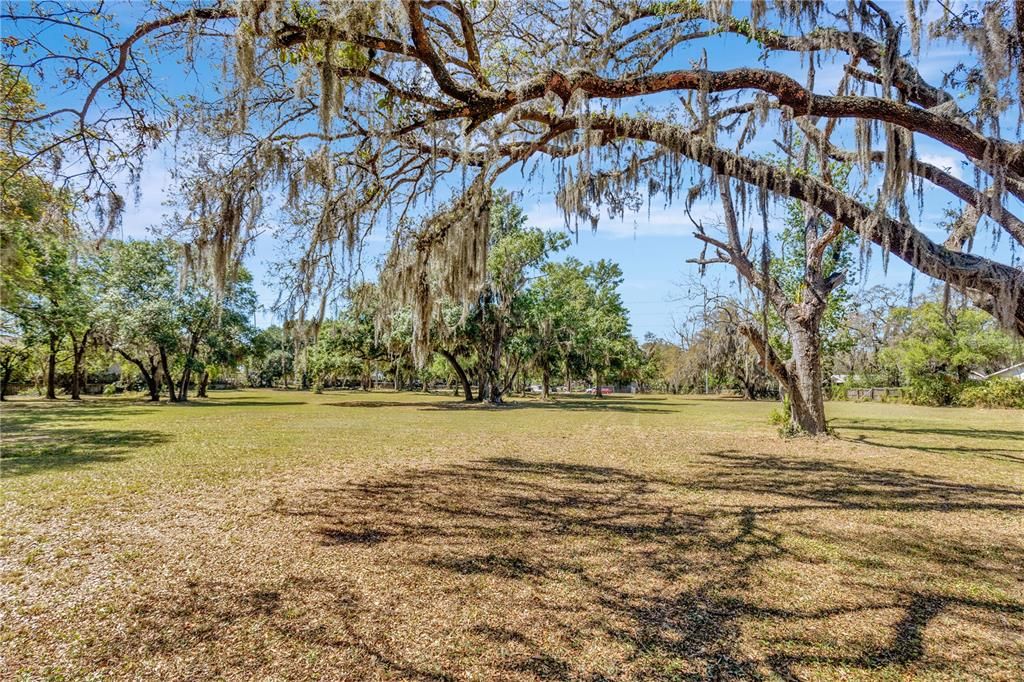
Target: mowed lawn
[(284, 535)]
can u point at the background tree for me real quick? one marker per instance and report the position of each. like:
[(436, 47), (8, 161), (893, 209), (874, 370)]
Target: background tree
[(454, 339), (552, 313), (872, 328), (38, 282), (940, 345), (798, 291), (481, 330), (514, 254), (51, 305), (14, 356), (603, 340), (719, 355), (224, 346), (788, 264), (139, 291), (269, 358)]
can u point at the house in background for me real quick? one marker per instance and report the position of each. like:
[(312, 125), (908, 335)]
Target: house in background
[(1011, 372)]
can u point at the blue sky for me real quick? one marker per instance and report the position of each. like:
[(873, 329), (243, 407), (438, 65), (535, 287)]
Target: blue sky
[(651, 249)]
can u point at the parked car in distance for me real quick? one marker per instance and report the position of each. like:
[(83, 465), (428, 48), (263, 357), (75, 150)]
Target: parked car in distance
[(605, 390)]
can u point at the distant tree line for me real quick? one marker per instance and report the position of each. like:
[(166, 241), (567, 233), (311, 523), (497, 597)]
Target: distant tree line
[(534, 322), (71, 309)]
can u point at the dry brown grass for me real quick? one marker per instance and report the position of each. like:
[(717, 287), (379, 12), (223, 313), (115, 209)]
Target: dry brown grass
[(274, 535)]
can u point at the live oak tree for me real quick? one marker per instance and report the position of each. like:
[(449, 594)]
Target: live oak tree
[(554, 310), (164, 319), (872, 328), (269, 357), (515, 253), (80, 312), (356, 112), (14, 354), (492, 332), (577, 322), (366, 337), (788, 265), (201, 315), (39, 282), (553, 318), (329, 361), (603, 340), (799, 286), (55, 303), (139, 290), (715, 354), (224, 345), (455, 338)]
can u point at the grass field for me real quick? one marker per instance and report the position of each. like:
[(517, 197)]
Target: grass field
[(283, 535)]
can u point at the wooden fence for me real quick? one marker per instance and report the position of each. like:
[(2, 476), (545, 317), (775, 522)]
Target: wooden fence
[(874, 393)]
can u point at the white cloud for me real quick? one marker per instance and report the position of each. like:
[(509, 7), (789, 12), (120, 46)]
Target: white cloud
[(948, 163)]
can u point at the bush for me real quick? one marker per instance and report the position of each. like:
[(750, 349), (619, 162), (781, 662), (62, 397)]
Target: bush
[(934, 390), (783, 418), (993, 393), (780, 416)]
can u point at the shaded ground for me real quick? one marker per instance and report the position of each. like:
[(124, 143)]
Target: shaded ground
[(346, 536)]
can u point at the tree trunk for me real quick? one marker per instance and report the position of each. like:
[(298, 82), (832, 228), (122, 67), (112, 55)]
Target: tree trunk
[(800, 377), (203, 381), (748, 388), (545, 381), (154, 389), (806, 398), (494, 365), (150, 376), (510, 384), (76, 388), (467, 389), (77, 354), (481, 380), (51, 368), (168, 378), (151, 379), (597, 385), (186, 374), (5, 379)]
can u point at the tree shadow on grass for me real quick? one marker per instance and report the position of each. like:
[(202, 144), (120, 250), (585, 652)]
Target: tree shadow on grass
[(520, 569), (988, 434), (16, 417), (34, 450), (1010, 452), (236, 402), (674, 583), (198, 629), (566, 405), (807, 483)]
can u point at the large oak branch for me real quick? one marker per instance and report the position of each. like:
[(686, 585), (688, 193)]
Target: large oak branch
[(1004, 283)]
